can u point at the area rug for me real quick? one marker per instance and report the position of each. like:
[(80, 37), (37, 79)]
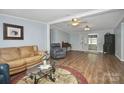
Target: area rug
[(63, 75)]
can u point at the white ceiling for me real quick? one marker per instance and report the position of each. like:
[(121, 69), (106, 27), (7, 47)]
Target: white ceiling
[(61, 17), (43, 15), (108, 20)]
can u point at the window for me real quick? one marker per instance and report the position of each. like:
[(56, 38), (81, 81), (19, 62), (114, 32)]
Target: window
[(92, 39)]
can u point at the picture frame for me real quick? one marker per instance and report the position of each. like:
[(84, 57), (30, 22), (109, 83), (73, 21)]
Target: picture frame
[(12, 32)]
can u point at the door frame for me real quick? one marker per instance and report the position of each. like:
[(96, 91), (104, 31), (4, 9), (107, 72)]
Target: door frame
[(96, 44)]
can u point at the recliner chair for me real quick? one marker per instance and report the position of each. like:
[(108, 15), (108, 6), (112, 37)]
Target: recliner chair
[(56, 51), (4, 74)]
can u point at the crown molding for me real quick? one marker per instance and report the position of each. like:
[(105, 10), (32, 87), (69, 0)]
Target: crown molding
[(97, 11), (22, 18)]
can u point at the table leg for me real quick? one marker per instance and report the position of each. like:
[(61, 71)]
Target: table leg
[(51, 77)]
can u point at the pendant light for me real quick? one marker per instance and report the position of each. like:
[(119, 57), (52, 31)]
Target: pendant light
[(75, 22), (87, 28)]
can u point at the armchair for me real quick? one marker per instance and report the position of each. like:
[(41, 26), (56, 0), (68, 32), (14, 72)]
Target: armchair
[(4, 74), (56, 51)]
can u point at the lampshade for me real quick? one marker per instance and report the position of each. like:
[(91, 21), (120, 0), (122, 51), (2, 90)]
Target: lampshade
[(87, 28)]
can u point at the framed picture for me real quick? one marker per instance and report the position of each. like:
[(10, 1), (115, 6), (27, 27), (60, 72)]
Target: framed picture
[(12, 32)]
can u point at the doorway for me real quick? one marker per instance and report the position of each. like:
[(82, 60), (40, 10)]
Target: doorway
[(92, 42)]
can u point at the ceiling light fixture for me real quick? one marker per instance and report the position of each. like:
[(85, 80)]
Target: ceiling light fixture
[(75, 22), (87, 28)]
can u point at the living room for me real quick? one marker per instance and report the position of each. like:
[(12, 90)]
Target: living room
[(82, 51), (27, 35)]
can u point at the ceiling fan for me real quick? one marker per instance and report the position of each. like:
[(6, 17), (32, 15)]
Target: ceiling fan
[(84, 24)]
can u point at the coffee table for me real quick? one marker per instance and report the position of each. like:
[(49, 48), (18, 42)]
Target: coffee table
[(35, 73)]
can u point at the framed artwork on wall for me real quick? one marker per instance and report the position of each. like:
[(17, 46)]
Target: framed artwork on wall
[(12, 32)]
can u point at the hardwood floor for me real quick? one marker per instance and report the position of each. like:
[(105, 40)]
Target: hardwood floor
[(96, 68)]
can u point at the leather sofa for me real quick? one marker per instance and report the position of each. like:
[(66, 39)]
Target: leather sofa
[(20, 58), (56, 51)]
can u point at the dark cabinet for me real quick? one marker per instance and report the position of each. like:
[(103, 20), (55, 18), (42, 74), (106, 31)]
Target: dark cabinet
[(109, 43)]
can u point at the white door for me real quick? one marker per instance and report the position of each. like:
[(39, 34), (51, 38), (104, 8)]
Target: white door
[(92, 42)]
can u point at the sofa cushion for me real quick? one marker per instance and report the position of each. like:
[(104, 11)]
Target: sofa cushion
[(17, 70), (9, 54), (16, 63), (26, 51), (32, 59)]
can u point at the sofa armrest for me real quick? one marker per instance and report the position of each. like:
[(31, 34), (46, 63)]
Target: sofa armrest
[(40, 53)]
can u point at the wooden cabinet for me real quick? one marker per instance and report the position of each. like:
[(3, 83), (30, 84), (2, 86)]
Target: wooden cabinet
[(109, 43)]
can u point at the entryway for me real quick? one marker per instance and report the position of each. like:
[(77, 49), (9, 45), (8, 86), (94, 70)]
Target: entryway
[(92, 42)]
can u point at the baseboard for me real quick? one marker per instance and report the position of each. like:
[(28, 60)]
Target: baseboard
[(77, 50), (97, 52), (100, 51), (122, 60)]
